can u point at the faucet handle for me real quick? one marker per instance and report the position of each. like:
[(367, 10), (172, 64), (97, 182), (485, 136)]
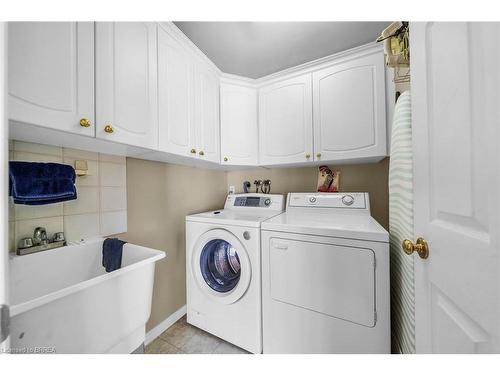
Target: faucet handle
[(58, 237)]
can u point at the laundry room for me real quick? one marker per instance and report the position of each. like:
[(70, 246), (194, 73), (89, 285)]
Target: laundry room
[(251, 187)]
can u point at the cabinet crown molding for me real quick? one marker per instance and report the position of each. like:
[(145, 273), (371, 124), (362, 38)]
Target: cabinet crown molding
[(321, 63), (175, 32), (307, 67)]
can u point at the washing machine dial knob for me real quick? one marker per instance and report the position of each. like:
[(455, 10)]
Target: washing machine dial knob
[(312, 199), (348, 200), (267, 202)]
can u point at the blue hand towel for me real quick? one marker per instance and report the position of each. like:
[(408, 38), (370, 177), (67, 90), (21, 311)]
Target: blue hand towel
[(112, 249), (41, 183)]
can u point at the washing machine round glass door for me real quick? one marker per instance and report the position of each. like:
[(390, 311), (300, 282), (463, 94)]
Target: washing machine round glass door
[(221, 265)]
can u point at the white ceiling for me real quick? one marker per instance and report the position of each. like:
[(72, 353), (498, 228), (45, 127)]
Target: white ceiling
[(256, 49)]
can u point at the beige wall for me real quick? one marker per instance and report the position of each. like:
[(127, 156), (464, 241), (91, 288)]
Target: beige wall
[(160, 195), (372, 178)]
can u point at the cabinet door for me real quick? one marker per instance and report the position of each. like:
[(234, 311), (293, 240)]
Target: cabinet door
[(285, 121), (51, 74), (238, 125), (176, 98), (126, 83), (207, 114), (349, 110)]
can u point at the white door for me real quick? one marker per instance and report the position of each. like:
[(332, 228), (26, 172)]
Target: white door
[(126, 83), (4, 231), (349, 110), (176, 97), (51, 75), (238, 125), (285, 121), (456, 132), (207, 114)]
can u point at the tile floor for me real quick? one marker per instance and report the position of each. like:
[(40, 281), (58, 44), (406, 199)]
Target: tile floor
[(183, 338)]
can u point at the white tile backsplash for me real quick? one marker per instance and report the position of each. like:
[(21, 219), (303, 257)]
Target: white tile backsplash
[(24, 212), (112, 158), (77, 227), (30, 156), (80, 154), (12, 209), (92, 177), (101, 205), (37, 148), (12, 234), (87, 201), (113, 174), (113, 198), (113, 222)]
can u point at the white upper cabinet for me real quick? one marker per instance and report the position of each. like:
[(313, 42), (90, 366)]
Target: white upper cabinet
[(238, 125), (207, 114), (188, 101), (51, 75), (126, 83), (144, 84), (176, 96), (349, 110), (285, 121)]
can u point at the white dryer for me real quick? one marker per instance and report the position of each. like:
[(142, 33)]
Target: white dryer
[(223, 268), (325, 277)]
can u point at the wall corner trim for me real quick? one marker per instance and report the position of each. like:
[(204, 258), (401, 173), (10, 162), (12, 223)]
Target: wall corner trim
[(152, 334)]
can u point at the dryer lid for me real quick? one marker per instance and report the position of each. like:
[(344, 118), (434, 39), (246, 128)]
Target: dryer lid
[(361, 227)]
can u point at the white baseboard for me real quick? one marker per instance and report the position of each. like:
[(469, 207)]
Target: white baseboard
[(163, 326)]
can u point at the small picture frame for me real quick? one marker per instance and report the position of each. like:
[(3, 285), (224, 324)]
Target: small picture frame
[(328, 180)]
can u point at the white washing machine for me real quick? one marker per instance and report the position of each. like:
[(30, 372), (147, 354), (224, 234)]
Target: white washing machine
[(223, 268), (325, 277)]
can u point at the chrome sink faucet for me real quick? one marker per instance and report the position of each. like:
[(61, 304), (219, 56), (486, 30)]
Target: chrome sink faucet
[(40, 236), (40, 242)]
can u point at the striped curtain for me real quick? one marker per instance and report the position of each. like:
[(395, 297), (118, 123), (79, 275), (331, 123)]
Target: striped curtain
[(401, 227)]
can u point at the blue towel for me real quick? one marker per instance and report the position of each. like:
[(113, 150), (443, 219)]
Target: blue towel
[(112, 249), (41, 183)]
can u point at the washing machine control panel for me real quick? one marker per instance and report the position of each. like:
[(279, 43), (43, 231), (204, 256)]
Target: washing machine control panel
[(260, 201), (252, 201)]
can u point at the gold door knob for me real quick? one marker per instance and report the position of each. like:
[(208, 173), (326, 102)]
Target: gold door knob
[(420, 247), (85, 122), (318, 155), (193, 151), (225, 158), (201, 153), (308, 156), (109, 129)]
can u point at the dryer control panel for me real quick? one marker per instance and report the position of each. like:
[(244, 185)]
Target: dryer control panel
[(342, 201)]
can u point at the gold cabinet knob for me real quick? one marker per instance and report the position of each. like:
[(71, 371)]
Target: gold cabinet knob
[(85, 122), (308, 156), (109, 129), (421, 247), (226, 158), (201, 153), (193, 151), (318, 155)]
